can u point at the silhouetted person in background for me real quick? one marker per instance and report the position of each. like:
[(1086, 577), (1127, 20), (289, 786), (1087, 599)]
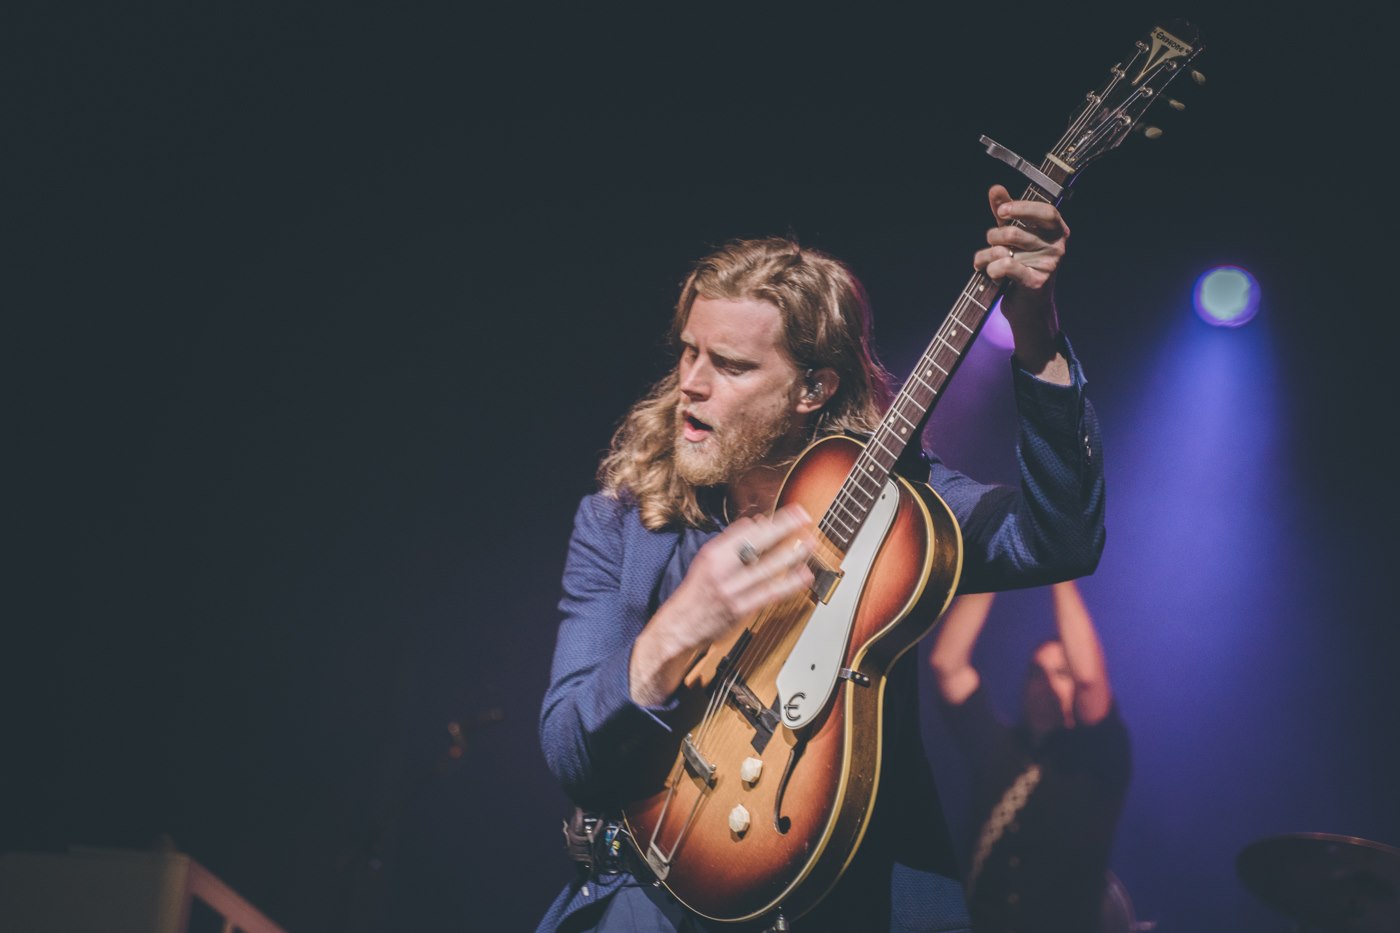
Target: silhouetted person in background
[(1047, 792)]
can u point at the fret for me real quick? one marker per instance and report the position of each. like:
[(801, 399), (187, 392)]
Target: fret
[(976, 318), (894, 454), (896, 413), (891, 424), (974, 301), (959, 333), (859, 476), (928, 360), (872, 469), (856, 516)]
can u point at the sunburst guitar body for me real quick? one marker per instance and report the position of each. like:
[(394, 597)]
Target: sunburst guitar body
[(765, 803), (760, 799)]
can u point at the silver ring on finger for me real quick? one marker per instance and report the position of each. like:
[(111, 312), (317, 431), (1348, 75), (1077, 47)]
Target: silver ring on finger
[(1010, 254), (747, 553)]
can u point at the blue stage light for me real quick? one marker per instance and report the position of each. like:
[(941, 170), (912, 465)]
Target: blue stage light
[(1227, 296)]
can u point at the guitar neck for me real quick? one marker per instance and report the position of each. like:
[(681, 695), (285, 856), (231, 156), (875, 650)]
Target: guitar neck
[(905, 418), (1107, 116)]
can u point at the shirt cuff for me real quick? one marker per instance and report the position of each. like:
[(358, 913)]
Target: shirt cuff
[(614, 698), (1049, 403)]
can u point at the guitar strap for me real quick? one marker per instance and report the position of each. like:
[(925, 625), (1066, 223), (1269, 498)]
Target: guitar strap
[(1010, 804)]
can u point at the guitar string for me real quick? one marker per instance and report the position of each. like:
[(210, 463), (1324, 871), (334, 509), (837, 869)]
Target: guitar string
[(764, 633), (767, 627), (896, 410), (1118, 74), (761, 642), (720, 692), (758, 644), (845, 499)]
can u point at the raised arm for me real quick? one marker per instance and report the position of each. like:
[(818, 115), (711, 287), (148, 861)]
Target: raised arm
[(1084, 654), (1050, 525), (951, 657)]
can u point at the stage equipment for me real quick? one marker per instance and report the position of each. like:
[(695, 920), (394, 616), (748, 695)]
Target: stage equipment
[(1340, 884), (119, 891)]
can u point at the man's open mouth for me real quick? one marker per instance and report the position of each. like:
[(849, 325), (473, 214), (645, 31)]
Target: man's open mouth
[(694, 429)]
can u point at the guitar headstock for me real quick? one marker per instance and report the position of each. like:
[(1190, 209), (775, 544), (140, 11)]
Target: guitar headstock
[(1133, 86)]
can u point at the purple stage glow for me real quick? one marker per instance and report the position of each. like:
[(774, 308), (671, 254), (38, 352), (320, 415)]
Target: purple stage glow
[(997, 331), (1227, 296)]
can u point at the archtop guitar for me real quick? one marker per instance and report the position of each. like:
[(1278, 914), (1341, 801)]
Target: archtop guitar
[(763, 797)]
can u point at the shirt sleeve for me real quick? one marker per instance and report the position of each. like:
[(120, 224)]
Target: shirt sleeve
[(1051, 527), (589, 725)]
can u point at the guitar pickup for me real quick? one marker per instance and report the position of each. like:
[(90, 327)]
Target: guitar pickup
[(697, 763), (824, 580)]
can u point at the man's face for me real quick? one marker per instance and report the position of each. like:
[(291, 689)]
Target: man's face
[(738, 389), (1049, 693)]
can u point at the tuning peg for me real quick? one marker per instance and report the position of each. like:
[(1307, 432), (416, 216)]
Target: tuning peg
[(1175, 104), (1151, 132), (1197, 77)]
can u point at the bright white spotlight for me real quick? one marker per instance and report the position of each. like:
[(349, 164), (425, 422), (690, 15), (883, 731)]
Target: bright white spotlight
[(1227, 296)]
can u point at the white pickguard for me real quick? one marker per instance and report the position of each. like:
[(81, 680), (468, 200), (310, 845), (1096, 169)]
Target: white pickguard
[(808, 678)]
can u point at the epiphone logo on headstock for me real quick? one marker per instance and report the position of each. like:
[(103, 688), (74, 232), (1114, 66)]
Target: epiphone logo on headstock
[(1165, 46)]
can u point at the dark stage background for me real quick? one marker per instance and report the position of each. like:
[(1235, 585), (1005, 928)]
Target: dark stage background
[(319, 316)]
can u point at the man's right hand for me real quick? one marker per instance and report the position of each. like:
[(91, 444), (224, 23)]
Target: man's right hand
[(753, 564)]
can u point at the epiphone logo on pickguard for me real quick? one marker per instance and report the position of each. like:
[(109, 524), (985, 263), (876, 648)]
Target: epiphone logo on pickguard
[(1164, 46), (792, 708)]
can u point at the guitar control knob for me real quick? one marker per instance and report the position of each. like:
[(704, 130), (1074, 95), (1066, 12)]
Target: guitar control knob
[(739, 819), (750, 770)]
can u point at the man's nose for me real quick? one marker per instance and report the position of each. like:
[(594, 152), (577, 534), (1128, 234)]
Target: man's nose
[(695, 380)]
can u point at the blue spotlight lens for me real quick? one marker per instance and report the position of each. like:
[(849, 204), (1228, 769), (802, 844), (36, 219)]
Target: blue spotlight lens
[(1227, 296)]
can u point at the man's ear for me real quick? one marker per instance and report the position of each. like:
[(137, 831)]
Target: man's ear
[(818, 386)]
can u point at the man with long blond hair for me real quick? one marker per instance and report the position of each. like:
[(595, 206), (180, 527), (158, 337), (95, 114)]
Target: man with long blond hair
[(679, 547)]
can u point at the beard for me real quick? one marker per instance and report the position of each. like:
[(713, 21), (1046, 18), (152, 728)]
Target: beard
[(732, 449)]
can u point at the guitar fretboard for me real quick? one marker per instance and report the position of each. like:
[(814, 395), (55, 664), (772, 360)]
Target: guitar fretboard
[(905, 417)]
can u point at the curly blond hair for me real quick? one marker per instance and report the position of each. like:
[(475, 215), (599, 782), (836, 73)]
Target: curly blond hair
[(826, 323)]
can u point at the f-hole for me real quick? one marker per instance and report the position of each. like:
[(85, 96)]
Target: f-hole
[(782, 823)]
